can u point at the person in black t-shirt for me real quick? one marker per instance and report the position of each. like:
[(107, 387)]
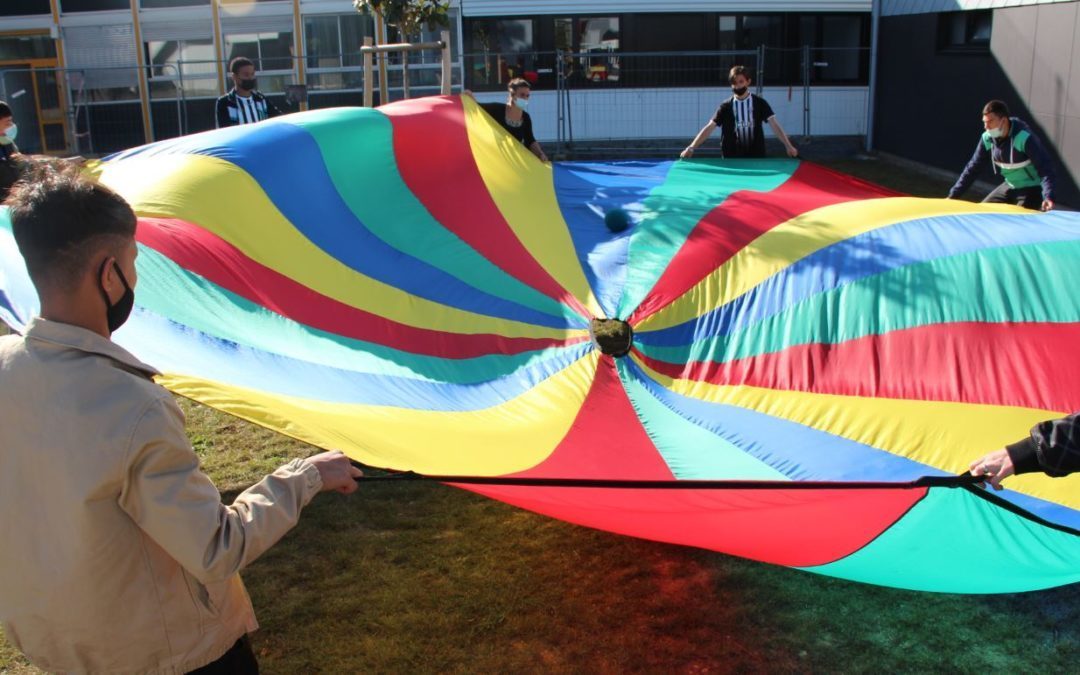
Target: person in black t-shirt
[(512, 116), (740, 120)]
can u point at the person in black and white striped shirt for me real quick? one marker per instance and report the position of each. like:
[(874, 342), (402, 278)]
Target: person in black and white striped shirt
[(243, 104), (740, 120)]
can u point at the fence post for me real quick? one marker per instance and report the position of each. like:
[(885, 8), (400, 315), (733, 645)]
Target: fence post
[(558, 102), (380, 30), (405, 74), (871, 105), (806, 91), (760, 69), (181, 106), (447, 58), (369, 75)]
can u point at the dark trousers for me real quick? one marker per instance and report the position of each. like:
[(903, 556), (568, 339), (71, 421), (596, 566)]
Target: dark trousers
[(239, 660), (1029, 197)]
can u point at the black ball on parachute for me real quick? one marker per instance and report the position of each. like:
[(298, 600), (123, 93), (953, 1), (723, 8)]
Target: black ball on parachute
[(617, 220)]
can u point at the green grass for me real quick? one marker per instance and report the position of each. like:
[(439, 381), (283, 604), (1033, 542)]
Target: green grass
[(419, 577)]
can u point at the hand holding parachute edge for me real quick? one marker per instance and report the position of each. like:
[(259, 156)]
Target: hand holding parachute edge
[(337, 472)]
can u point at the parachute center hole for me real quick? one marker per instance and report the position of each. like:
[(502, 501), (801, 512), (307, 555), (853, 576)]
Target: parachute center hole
[(612, 336)]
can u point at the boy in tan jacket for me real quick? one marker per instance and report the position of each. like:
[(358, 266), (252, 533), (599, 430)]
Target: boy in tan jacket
[(117, 553)]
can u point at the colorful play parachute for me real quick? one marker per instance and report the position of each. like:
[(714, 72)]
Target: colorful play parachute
[(811, 359)]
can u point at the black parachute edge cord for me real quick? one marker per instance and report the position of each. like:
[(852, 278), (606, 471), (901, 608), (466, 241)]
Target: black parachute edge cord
[(965, 481)]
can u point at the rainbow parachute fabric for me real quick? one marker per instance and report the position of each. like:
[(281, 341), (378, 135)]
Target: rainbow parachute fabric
[(813, 358)]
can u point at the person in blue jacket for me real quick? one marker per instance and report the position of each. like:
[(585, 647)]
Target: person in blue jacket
[(1018, 155)]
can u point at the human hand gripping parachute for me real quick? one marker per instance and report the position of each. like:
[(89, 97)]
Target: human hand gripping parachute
[(812, 360)]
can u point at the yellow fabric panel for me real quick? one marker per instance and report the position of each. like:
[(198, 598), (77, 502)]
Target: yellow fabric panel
[(799, 237), (524, 192), (942, 434), (226, 201), (506, 438)]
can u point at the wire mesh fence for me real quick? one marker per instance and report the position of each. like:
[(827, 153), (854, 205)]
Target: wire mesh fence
[(97, 111), (598, 100)]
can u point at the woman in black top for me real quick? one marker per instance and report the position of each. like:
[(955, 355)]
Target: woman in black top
[(512, 116)]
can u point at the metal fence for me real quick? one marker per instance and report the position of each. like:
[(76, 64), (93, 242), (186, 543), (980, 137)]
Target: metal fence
[(648, 103), (97, 111), (597, 101)]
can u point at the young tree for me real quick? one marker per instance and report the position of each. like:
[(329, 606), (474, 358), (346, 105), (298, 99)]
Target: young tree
[(408, 16)]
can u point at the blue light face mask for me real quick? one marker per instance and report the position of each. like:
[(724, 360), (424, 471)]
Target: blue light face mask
[(11, 132), (522, 103), (996, 132)]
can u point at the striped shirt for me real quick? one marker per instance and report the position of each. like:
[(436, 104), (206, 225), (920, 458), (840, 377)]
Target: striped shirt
[(234, 110), (744, 121), (248, 113), (740, 123)]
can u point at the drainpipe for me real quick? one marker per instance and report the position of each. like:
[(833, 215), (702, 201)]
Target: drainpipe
[(875, 20)]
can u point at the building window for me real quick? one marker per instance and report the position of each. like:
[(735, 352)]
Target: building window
[(67, 6), (156, 4), (17, 47), (25, 8), (332, 45), (182, 68), (598, 44), (747, 32), (272, 53), (965, 31), (728, 37), (498, 51)]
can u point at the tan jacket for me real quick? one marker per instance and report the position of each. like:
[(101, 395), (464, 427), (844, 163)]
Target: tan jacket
[(116, 553)]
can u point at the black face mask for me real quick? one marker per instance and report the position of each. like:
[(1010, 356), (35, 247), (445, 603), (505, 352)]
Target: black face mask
[(117, 314), (248, 85), (738, 91)]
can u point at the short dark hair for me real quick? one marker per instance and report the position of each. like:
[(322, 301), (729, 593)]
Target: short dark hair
[(239, 62), (5, 110), (739, 70), (996, 107), (518, 83), (62, 219)]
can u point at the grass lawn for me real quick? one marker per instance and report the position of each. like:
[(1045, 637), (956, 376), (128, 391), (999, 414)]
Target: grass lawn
[(418, 577)]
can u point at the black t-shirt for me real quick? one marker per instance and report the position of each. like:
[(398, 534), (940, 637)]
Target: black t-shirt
[(740, 123), (523, 133)]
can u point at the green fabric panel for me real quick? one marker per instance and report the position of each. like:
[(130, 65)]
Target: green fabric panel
[(1027, 283), (690, 191), (167, 289), (690, 451), (956, 542), (358, 148)]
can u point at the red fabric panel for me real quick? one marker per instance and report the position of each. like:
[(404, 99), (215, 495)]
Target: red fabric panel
[(606, 439), (743, 217), (1012, 364), (430, 141), (787, 527), (218, 261)]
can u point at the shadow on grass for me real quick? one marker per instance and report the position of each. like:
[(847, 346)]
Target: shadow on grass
[(420, 577)]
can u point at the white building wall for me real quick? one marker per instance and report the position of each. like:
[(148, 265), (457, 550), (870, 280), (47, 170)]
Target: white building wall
[(897, 7)]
